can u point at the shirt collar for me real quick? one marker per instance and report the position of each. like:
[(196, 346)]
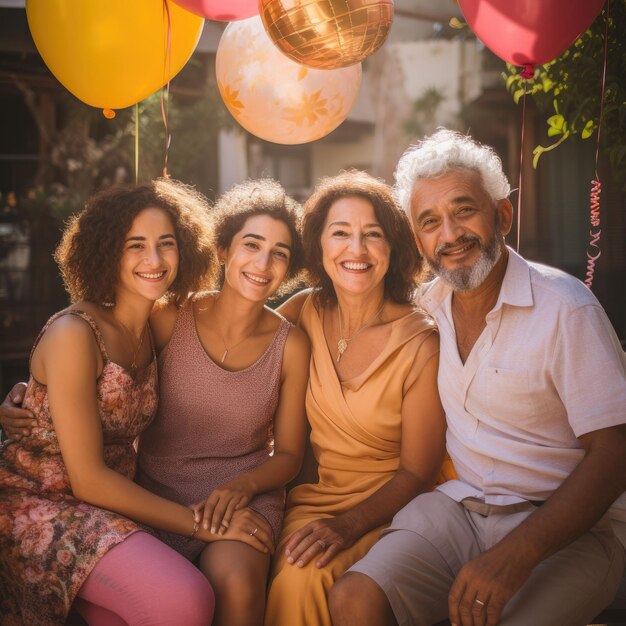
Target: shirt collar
[(516, 288)]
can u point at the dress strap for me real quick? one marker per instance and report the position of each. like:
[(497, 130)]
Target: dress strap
[(83, 315), (282, 332), (185, 323)]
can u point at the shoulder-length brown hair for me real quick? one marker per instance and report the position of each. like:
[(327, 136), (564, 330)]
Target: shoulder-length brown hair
[(91, 247), (405, 263)]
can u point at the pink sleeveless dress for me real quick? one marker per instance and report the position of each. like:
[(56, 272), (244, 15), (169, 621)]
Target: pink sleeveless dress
[(49, 540), (211, 425)]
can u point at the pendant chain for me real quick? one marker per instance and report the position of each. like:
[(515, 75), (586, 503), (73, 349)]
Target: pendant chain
[(342, 344), (227, 349), (132, 339)]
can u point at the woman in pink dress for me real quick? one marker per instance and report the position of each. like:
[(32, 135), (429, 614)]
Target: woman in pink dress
[(230, 429), (69, 509)]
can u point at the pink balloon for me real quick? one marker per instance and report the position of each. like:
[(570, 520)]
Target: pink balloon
[(221, 10), (529, 32)]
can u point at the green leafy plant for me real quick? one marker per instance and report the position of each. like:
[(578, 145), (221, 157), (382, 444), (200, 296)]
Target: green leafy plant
[(568, 89)]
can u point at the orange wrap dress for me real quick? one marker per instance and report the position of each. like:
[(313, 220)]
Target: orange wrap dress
[(355, 436)]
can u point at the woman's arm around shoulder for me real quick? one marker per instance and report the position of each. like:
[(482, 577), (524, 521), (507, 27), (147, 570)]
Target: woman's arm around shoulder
[(291, 308), (15, 421)]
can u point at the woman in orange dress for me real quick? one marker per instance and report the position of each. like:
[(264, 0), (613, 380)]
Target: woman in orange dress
[(377, 426)]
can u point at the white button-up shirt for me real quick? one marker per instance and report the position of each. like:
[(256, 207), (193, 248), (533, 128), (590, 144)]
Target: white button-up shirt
[(547, 368)]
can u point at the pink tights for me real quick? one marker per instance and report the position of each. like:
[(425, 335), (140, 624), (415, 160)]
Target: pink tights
[(142, 582)]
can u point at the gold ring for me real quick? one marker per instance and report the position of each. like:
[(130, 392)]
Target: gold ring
[(479, 602), (323, 544), (254, 532)]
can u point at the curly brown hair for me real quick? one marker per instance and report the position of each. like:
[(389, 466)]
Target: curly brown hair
[(264, 196), (405, 263), (91, 247)]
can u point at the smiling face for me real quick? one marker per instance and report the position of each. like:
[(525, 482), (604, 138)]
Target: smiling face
[(459, 229), (257, 259), (355, 251), (149, 260)]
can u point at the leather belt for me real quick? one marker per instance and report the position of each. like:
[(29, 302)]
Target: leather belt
[(482, 508)]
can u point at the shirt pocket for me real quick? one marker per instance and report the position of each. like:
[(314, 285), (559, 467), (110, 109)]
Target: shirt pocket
[(509, 395)]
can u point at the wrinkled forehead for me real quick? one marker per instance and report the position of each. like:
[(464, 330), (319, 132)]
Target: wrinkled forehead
[(446, 190)]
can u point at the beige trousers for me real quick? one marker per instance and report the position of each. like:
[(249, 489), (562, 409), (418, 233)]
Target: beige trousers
[(417, 559)]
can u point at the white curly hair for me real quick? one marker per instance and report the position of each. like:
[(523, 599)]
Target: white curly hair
[(443, 151)]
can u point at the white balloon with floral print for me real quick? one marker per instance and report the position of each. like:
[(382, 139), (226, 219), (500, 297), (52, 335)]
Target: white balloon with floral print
[(276, 98)]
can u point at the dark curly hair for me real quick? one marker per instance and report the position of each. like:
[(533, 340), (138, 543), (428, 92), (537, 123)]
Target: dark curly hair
[(260, 197), (405, 263), (91, 247)]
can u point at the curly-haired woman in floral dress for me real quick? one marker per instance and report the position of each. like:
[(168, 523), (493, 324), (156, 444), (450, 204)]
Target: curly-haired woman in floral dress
[(67, 496)]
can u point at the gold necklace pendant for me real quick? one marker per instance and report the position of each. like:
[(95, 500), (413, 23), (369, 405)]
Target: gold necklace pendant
[(342, 346)]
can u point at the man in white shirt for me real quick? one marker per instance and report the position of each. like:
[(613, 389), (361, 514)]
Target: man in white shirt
[(533, 381)]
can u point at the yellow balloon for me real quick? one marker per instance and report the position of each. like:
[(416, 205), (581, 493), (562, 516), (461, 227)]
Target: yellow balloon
[(112, 53), (276, 98)]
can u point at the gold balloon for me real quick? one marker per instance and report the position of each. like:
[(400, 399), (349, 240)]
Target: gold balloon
[(327, 34), (275, 98)]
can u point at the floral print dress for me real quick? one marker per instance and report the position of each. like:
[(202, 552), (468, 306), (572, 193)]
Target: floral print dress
[(49, 540)]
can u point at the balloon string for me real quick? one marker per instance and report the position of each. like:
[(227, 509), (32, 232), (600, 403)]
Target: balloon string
[(521, 165), (136, 142), (593, 250), (606, 41), (165, 93)]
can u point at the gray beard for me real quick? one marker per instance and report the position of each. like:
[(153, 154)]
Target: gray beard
[(468, 278)]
